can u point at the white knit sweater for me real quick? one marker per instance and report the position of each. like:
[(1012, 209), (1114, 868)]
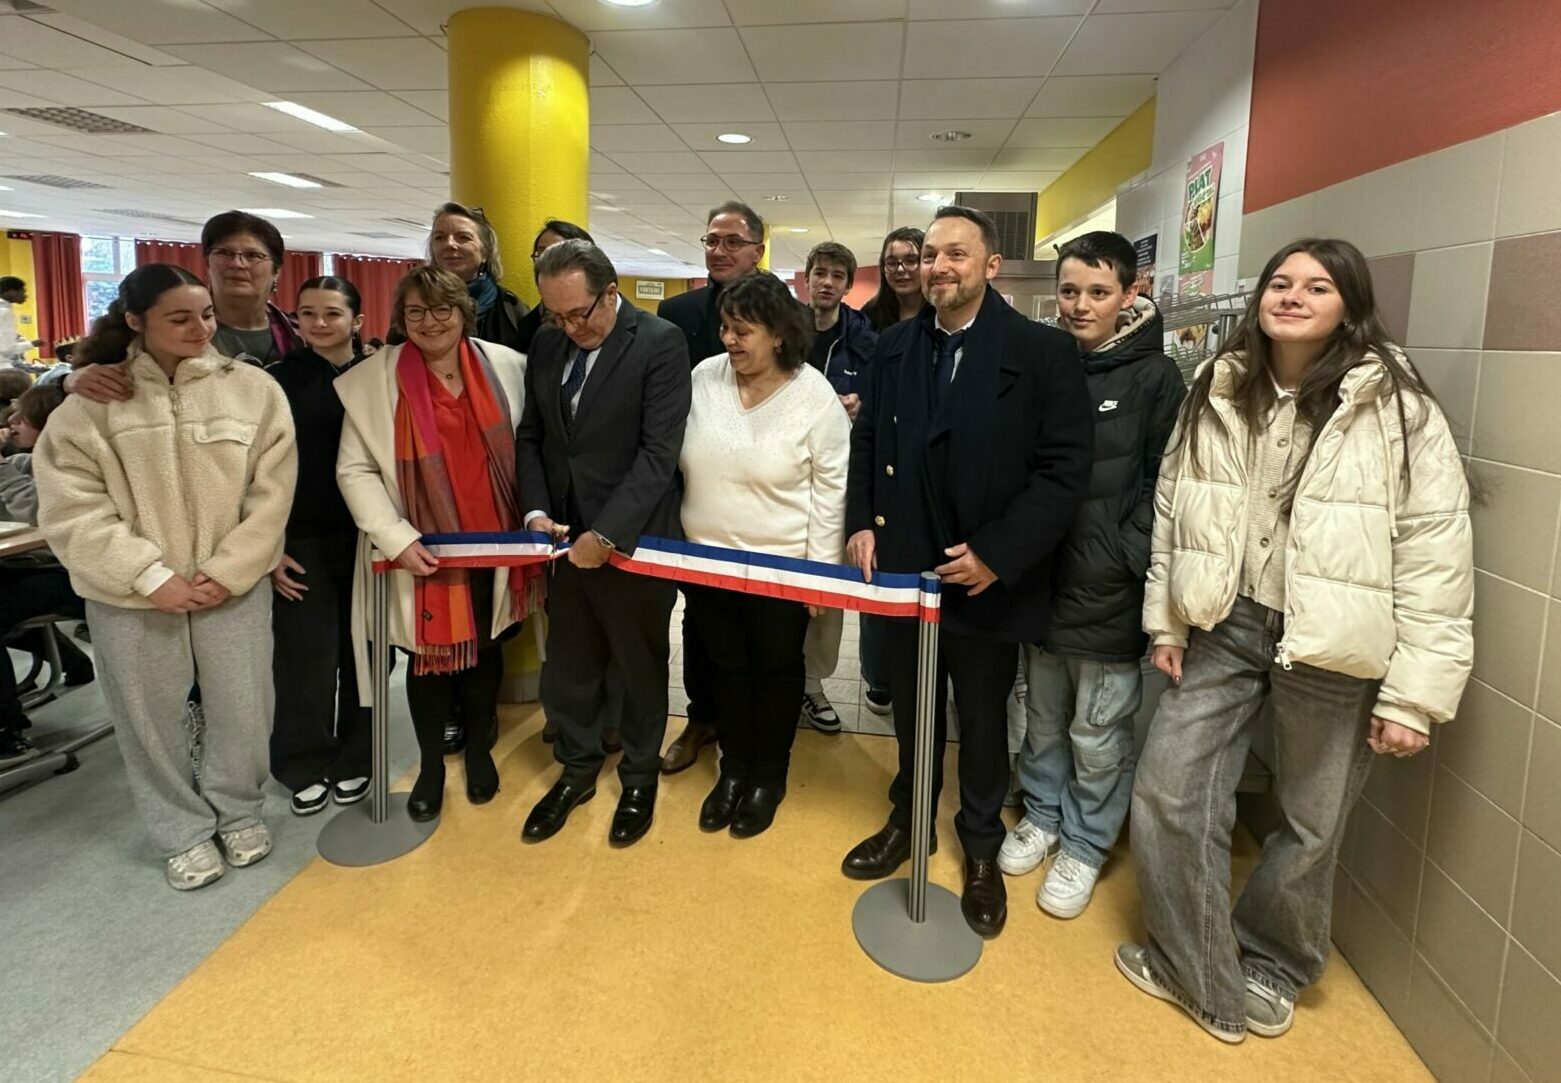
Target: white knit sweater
[(771, 479)]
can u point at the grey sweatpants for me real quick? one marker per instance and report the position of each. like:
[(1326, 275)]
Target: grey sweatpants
[(821, 648), (147, 662)]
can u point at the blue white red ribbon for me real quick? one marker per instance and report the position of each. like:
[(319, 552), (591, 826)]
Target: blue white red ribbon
[(813, 582)]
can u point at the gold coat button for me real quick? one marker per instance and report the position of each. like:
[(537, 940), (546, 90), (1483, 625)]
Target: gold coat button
[(878, 520), (889, 470)]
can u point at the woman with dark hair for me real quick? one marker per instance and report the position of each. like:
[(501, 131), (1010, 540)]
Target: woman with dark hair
[(552, 231), (1311, 554), (244, 255), (764, 470), (463, 242), (168, 509), (428, 447), (899, 279), (320, 741)]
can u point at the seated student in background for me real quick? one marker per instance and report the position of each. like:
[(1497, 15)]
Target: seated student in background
[(764, 466), (320, 741), (168, 521), (1084, 682)]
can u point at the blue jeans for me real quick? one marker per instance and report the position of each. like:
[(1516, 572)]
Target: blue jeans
[(1076, 766)]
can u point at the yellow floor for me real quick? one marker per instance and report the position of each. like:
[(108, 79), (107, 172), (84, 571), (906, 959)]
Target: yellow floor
[(686, 957)]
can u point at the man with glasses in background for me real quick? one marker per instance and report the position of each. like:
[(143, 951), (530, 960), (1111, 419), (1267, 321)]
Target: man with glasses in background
[(607, 396), (734, 245)]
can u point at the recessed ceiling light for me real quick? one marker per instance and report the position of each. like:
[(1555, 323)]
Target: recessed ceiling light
[(629, 3), (930, 197), (796, 229), (18, 214), (304, 113), (777, 199), (657, 252), (949, 137), (288, 179), (734, 137), (274, 212), (609, 210), (4, 188)]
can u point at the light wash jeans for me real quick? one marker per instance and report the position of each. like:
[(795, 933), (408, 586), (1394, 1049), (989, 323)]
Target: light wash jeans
[(1184, 808), (1076, 766)]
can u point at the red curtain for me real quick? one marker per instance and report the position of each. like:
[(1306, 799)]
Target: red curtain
[(61, 293), (178, 253), (376, 279), (297, 268)]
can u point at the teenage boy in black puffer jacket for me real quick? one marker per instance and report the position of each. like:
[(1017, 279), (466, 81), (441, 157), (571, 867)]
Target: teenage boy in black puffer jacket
[(1085, 684)]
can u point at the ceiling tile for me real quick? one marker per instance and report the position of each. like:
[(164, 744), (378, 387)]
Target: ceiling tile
[(845, 161), (936, 181), (933, 99), (790, 183), (1062, 131), (763, 161), (1010, 9), (602, 166), (161, 22), (429, 16), (247, 117), (182, 85), (171, 147), (321, 142), (1119, 44), (850, 182), (601, 73), (1026, 181), (675, 57), (593, 15), (765, 136), (619, 105), (292, 20), (407, 63), (960, 158), (661, 162), (436, 103), (767, 12), (47, 47), (158, 118), (703, 197), (1092, 95), (840, 134), (59, 88), (425, 139), (364, 109), (664, 181), (917, 134), (988, 47), (1036, 158), (1108, 7), (612, 138), (835, 101), (126, 48), (851, 202), (802, 53), (705, 104), (273, 65)]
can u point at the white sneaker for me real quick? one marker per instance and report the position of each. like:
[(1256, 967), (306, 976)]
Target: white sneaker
[(1067, 888), (1268, 1014), (819, 713), (1025, 848), (247, 845), (196, 867), (311, 799)]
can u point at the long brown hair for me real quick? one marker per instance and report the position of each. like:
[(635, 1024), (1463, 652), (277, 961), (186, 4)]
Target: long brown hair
[(883, 310), (1361, 334)]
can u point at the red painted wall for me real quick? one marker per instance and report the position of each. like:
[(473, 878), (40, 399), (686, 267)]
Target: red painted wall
[(1344, 87)]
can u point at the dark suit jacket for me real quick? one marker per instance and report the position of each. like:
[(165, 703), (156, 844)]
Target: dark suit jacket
[(1001, 463), (695, 314), (619, 469)]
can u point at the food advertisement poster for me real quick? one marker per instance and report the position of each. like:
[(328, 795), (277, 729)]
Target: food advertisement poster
[(1146, 248), (1198, 211)]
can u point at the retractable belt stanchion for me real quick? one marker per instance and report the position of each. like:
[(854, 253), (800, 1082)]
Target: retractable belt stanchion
[(379, 829), (911, 928)]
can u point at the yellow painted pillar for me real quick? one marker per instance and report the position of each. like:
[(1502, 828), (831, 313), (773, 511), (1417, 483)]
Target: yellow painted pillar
[(520, 130), (764, 260)]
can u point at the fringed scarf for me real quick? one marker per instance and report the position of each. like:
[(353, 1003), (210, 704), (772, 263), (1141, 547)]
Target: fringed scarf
[(447, 630)]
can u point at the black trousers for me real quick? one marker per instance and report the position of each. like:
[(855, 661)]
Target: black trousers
[(26, 593), (696, 669), (982, 672), (434, 698), (601, 619), (753, 646)]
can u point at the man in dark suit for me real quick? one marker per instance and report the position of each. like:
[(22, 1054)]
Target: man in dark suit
[(607, 396), (969, 458), (734, 245)]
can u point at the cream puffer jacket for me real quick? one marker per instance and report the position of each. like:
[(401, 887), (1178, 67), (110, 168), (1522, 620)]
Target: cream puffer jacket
[(1379, 574), (192, 475)]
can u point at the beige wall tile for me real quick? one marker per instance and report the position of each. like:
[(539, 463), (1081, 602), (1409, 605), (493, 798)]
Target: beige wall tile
[(1452, 375), (1487, 745), (1530, 164), (1549, 701), (1387, 866), (1379, 953), (1516, 410), (1530, 1007), (1474, 842), (1462, 943), (1507, 623), (1385, 221), (1264, 232), (1447, 308), (1512, 320), (1453, 1045), (1392, 280), (1456, 200), (1337, 210), (1542, 808), (1401, 791), (1534, 902), (1514, 526)]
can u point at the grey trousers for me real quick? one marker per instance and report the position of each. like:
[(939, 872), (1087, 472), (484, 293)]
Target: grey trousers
[(147, 662), (1184, 809), (821, 648)]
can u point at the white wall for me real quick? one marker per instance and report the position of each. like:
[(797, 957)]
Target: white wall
[(1203, 98)]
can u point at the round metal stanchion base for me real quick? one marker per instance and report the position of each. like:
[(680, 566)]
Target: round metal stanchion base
[(355, 840), (941, 948)]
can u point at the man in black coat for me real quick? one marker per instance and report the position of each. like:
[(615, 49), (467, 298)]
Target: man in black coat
[(734, 245), (969, 458), (607, 397)]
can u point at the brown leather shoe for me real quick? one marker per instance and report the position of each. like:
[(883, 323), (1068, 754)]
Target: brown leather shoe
[(684, 752), (985, 900)]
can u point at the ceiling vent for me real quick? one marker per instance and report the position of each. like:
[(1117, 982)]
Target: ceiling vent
[(50, 180), (419, 226), (373, 236), (1013, 213), (130, 212), (25, 7), (80, 120)]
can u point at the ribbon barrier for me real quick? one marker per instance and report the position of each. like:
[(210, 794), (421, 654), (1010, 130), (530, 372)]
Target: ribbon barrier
[(909, 927)]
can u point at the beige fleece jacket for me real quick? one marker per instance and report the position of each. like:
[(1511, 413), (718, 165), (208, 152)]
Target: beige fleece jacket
[(193, 475)]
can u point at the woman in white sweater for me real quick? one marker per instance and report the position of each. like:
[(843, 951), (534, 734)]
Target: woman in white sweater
[(764, 467), (167, 509)]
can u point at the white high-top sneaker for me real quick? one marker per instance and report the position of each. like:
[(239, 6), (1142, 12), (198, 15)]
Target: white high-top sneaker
[(1025, 848), (1067, 888)]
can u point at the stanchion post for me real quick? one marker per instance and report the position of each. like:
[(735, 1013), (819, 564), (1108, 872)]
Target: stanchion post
[(926, 713), (379, 643)]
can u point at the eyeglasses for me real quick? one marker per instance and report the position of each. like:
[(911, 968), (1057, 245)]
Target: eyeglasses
[(730, 242), (577, 319), (895, 265), (417, 313), (243, 259)]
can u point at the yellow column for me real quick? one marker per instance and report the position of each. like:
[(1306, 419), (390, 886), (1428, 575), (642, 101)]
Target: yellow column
[(764, 260), (519, 126)]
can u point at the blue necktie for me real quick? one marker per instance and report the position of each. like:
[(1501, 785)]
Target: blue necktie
[(943, 370), (572, 385)]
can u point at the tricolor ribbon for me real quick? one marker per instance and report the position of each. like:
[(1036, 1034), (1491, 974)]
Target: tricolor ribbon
[(813, 582)]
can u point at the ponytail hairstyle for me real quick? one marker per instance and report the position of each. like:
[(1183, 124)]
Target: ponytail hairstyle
[(109, 341), (348, 291)]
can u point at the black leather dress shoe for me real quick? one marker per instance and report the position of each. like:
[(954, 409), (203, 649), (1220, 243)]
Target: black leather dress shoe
[(427, 796), (985, 900), (554, 808), (876, 857), (717, 810), (454, 738), (481, 795), (756, 811), (636, 808)]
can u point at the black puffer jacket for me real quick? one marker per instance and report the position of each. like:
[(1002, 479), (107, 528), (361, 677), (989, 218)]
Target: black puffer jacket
[(1099, 569)]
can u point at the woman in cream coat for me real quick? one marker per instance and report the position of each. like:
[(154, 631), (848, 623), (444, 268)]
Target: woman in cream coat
[(434, 419)]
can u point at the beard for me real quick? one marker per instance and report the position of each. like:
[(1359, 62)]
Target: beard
[(964, 292)]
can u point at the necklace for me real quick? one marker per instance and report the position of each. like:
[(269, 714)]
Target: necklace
[(447, 376)]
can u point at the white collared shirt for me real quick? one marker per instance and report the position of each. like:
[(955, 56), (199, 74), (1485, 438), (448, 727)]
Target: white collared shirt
[(959, 354), (590, 360)]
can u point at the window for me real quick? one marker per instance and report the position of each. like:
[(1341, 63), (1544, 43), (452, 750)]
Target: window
[(104, 261)]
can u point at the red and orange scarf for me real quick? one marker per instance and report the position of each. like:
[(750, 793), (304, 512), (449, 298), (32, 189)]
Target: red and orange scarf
[(446, 620)]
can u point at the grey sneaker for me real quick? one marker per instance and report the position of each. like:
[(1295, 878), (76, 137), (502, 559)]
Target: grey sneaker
[(1268, 1014), (819, 713), (1133, 961), (196, 867), (247, 845)]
